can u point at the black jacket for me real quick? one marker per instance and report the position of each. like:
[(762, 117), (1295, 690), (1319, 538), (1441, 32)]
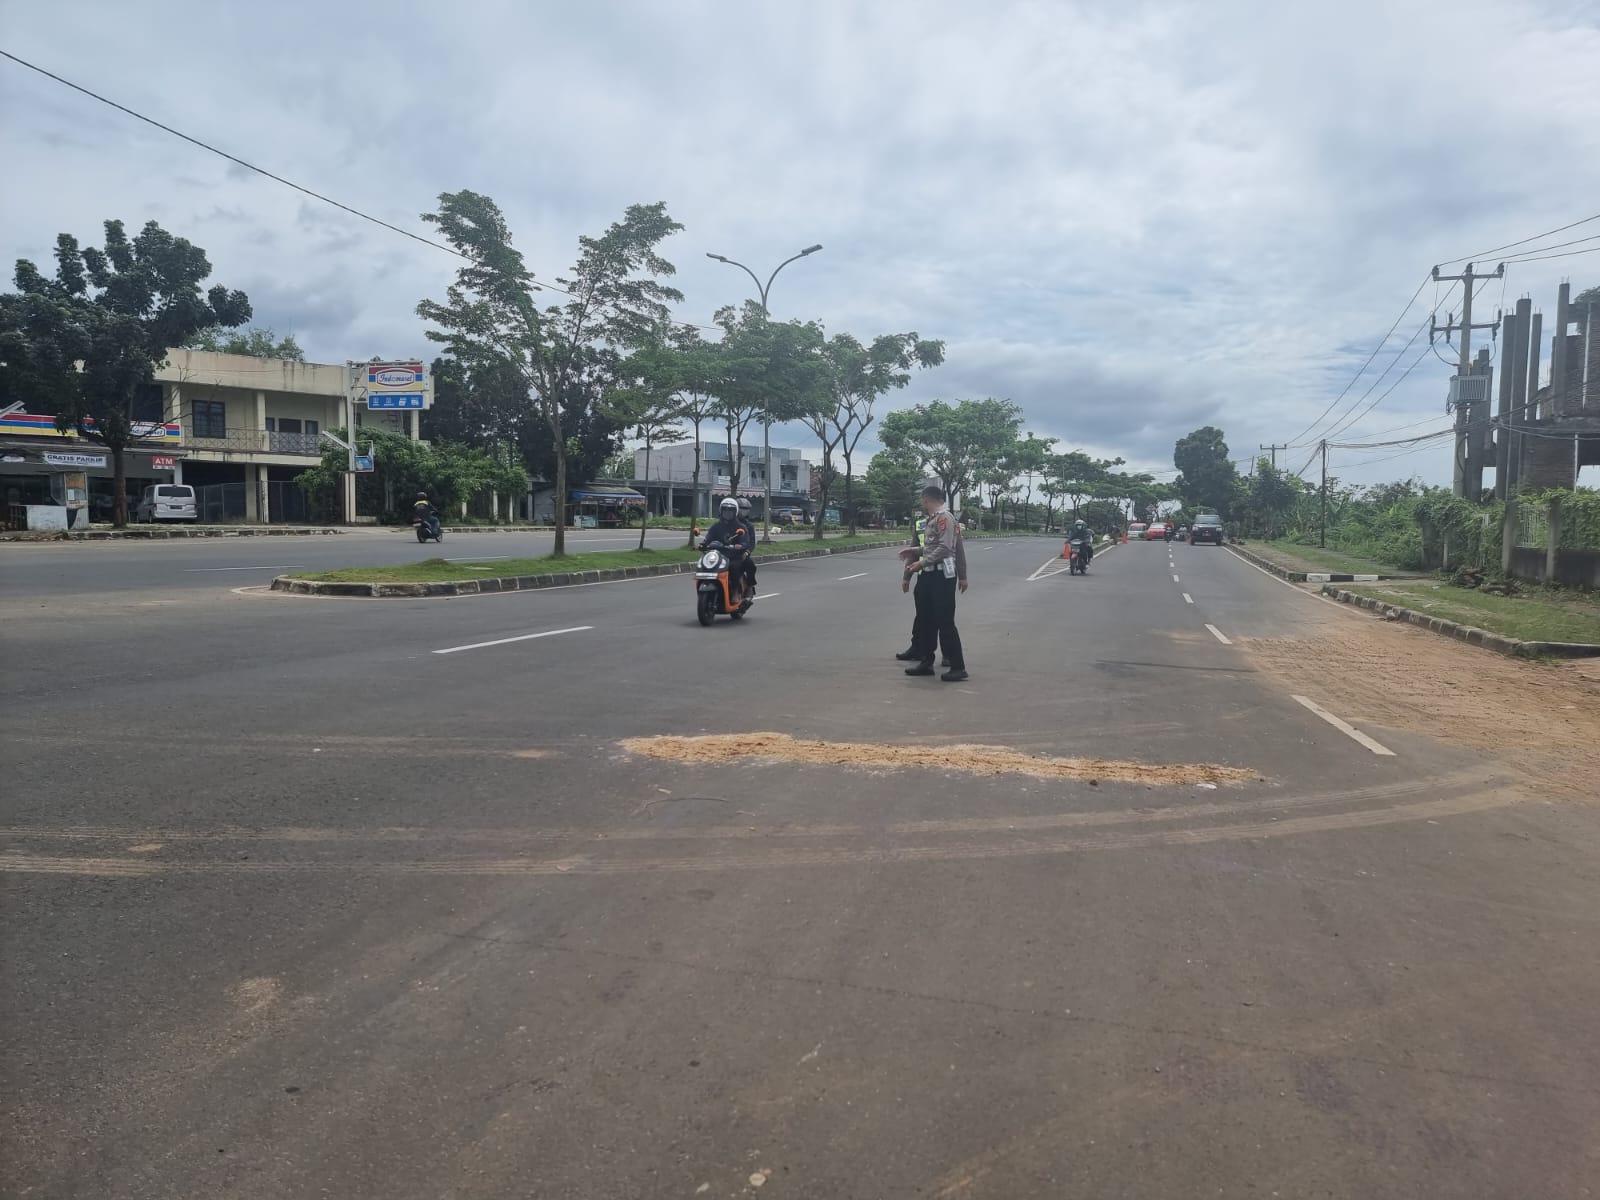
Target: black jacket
[(733, 534)]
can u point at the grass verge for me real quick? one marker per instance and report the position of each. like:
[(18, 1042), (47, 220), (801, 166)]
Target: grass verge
[(1296, 557), (1530, 618), (437, 570)]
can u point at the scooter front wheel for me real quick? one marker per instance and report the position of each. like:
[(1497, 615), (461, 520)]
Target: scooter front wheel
[(706, 608)]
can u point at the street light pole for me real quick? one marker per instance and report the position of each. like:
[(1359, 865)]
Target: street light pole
[(766, 415)]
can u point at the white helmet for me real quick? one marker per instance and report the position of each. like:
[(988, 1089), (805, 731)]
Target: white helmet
[(728, 509)]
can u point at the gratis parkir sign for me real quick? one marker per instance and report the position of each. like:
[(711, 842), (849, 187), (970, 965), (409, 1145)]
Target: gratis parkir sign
[(392, 385)]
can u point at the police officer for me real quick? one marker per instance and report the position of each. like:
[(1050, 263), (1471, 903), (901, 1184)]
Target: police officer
[(919, 535), (941, 572)]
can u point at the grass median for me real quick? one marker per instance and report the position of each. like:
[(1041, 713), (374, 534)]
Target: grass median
[(438, 570), (1295, 557), (1535, 616)]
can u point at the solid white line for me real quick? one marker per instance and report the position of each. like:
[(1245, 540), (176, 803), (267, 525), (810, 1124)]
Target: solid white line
[(1218, 634), (1348, 610), (526, 637), (480, 558), (765, 596), (1347, 730), (862, 575), (207, 570), (1188, 599)]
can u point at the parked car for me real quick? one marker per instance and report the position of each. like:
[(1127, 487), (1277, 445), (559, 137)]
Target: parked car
[(167, 502), (1136, 531), (1207, 527)]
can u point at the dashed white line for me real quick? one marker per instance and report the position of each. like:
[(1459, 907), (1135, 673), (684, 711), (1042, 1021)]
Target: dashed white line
[(1174, 579), (1345, 728), (765, 596), (208, 570), (1188, 599), (526, 637), (859, 575), (1219, 635)]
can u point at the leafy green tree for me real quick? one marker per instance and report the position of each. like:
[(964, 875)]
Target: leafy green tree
[(89, 340), (253, 342), (566, 353), (893, 482), (449, 472), (650, 410), (1031, 458), (953, 441), (1206, 479), (1271, 497)]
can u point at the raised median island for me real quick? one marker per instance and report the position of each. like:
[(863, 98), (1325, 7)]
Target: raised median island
[(442, 577)]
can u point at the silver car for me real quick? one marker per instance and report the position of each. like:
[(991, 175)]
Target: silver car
[(167, 502)]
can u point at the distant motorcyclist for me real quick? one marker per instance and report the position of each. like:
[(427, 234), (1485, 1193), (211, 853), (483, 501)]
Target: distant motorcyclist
[(423, 507), (749, 559), (733, 534), (1082, 537)]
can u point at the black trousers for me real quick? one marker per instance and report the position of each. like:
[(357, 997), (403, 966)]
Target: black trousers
[(935, 624)]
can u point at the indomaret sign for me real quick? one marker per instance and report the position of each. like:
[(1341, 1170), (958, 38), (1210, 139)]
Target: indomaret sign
[(397, 385)]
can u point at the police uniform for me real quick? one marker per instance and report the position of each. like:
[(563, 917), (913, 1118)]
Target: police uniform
[(944, 567)]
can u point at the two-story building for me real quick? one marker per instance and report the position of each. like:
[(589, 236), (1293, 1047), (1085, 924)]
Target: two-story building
[(670, 485), (237, 429)]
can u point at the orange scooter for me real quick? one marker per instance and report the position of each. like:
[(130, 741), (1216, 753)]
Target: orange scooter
[(718, 588)]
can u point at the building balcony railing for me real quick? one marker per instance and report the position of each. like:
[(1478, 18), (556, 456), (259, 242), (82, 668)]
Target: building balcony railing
[(255, 441)]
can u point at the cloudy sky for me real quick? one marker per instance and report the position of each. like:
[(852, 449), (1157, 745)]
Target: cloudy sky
[(1132, 218)]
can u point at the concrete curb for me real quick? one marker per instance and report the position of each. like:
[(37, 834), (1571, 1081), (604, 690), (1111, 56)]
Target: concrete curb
[(1272, 568), (520, 583), (162, 534), (1470, 634)]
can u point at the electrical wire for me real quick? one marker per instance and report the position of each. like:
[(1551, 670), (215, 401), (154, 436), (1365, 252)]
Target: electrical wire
[(1563, 254), (289, 183), (1296, 442), (1523, 242), (1345, 422), (1593, 237)]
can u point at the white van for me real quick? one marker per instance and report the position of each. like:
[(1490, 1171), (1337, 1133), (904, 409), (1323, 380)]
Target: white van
[(167, 502)]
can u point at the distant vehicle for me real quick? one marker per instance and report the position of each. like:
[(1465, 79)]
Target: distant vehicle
[(1207, 527), (1159, 531), (1136, 531), (1183, 531), (167, 502)]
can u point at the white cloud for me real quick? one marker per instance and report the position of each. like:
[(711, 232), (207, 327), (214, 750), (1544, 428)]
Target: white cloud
[(1132, 218)]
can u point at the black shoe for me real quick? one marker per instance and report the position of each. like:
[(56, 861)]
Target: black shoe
[(922, 668), (909, 656), (954, 676)]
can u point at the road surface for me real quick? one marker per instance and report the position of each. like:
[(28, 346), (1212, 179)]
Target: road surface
[(329, 897)]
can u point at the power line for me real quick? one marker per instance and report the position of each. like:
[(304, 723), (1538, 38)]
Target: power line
[(1521, 254), (1295, 441), (1563, 254), (1523, 242), (1344, 423), (289, 183)]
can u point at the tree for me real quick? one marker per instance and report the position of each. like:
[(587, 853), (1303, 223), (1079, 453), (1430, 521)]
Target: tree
[(1206, 479), (1271, 496), (90, 340), (650, 409), (860, 376), (449, 472), (256, 343), (1031, 456), (953, 441), (894, 481), (565, 353)]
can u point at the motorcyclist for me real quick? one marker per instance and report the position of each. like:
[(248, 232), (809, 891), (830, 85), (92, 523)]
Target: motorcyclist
[(1083, 537), (749, 559), (423, 511), (733, 534)]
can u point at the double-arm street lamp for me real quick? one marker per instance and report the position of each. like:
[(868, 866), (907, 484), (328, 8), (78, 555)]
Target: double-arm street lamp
[(766, 416)]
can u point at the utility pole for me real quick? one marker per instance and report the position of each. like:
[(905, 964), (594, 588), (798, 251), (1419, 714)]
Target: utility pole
[(1273, 450), (1322, 534), (1466, 408)]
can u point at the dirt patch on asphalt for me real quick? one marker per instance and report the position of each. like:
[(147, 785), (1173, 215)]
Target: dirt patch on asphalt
[(975, 760), (1542, 718)]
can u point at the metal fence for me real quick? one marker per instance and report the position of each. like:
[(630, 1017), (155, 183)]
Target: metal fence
[(216, 503)]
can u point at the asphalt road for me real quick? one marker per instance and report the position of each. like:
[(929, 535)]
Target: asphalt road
[(326, 897), (43, 570)]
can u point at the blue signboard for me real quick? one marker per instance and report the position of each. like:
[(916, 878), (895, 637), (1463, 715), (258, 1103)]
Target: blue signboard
[(394, 400), (363, 462)]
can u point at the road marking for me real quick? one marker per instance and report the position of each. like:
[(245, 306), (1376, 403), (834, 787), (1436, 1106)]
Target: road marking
[(765, 596), (862, 575), (1219, 635), (1346, 729), (1348, 610), (480, 558), (1188, 599), (1174, 579), (526, 637), (207, 570)]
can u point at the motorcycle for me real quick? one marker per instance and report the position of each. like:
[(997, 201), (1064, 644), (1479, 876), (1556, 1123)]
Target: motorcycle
[(1075, 563), (718, 588), (429, 527)]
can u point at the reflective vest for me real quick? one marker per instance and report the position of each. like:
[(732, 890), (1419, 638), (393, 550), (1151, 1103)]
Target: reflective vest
[(922, 532)]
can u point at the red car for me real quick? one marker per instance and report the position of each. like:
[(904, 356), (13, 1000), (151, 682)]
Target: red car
[(1160, 531)]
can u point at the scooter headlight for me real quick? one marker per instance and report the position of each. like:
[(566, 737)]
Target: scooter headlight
[(711, 560)]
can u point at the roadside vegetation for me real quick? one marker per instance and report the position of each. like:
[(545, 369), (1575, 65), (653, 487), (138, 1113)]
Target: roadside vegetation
[(1537, 615)]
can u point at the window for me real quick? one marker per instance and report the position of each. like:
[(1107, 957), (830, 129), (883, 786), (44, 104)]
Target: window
[(312, 428), (286, 424), (209, 419)]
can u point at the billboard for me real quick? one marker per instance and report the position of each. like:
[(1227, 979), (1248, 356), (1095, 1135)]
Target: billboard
[(397, 385)]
